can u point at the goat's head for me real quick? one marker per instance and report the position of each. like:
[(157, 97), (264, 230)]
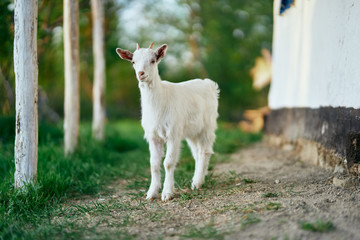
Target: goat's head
[(144, 60)]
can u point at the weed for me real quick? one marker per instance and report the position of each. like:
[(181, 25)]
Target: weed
[(249, 220), (230, 180), (247, 181), (94, 207), (125, 222), (317, 226), (226, 208), (270, 195), (206, 232), (290, 189), (156, 216), (273, 206)]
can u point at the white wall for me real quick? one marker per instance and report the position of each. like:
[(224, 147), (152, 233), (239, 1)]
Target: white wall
[(316, 54)]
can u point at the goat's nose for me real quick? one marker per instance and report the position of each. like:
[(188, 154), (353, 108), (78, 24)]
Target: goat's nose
[(141, 73)]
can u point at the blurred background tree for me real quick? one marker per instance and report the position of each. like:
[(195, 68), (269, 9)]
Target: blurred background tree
[(218, 39), (7, 76)]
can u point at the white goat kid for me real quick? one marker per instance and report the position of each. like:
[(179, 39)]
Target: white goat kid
[(172, 112)]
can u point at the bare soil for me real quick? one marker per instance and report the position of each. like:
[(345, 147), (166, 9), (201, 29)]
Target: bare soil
[(263, 192)]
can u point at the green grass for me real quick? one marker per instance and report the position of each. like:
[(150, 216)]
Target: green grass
[(270, 195), (228, 140), (249, 219), (27, 214), (206, 232), (317, 226), (247, 181), (273, 206)]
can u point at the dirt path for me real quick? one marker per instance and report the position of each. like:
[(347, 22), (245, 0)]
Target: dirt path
[(263, 193)]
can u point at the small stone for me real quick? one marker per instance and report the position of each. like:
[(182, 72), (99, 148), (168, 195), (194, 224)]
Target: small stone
[(339, 169), (277, 181), (346, 182), (288, 147)]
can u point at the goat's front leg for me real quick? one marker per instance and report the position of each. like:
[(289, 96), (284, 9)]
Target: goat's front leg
[(172, 156), (156, 153)]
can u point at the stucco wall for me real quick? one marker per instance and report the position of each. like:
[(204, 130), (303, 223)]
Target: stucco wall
[(316, 55)]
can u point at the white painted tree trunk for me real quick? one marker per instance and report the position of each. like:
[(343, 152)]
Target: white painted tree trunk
[(71, 55), (99, 113), (26, 81)]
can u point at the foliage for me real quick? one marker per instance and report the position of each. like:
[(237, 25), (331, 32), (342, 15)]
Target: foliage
[(6, 60), (215, 39), (218, 40), (232, 35)]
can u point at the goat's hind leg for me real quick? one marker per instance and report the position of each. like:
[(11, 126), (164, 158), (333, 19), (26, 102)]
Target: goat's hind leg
[(196, 153), (172, 156), (203, 151), (156, 153), (201, 169)]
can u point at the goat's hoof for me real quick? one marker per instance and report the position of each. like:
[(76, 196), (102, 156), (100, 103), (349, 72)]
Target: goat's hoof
[(166, 196), (151, 196), (195, 185)]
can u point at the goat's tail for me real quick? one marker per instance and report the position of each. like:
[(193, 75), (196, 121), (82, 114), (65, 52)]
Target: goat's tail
[(214, 87)]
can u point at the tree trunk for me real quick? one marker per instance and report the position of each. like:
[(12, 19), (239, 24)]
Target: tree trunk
[(99, 115), (71, 55), (26, 91)]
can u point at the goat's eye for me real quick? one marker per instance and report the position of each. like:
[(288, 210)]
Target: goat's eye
[(153, 61)]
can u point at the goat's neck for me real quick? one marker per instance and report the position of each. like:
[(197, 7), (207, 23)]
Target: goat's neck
[(151, 90)]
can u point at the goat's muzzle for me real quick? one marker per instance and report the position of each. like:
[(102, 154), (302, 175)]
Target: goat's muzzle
[(141, 75)]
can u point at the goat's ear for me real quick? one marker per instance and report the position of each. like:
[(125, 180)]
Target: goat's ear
[(124, 54), (160, 52)]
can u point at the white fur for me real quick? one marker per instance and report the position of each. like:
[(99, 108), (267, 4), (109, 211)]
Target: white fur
[(172, 112)]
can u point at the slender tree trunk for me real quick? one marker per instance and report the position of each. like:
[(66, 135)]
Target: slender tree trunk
[(71, 55), (26, 91), (98, 124)]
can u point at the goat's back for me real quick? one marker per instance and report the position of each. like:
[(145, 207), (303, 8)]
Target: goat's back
[(193, 105)]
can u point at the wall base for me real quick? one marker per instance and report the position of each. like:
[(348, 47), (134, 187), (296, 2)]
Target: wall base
[(311, 152), (321, 136)]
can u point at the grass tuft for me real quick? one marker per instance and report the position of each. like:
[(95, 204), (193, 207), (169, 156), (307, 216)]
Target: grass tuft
[(270, 195), (249, 219), (248, 181), (273, 206), (205, 232), (318, 226)]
